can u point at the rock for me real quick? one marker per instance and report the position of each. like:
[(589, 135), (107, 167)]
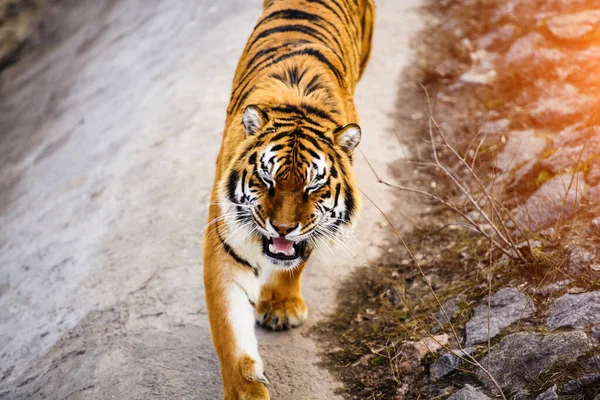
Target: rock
[(549, 394), (525, 175), (593, 176), (568, 157), (564, 5), (580, 259), (575, 310), (448, 68), (451, 307), (522, 395), (448, 363), (547, 290), (572, 135), (594, 195), (581, 68), (519, 358), (468, 393), (483, 68), (19, 19), (495, 127), (563, 158), (559, 101), (578, 385), (574, 26), (504, 10), (497, 38), (596, 333), (558, 198), (508, 305), (410, 354), (595, 225), (530, 53), (521, 147)]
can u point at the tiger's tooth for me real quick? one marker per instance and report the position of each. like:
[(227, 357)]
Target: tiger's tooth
[(272, 248), (291, 251)]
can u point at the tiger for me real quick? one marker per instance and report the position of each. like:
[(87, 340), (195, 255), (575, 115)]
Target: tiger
[(284, 182)]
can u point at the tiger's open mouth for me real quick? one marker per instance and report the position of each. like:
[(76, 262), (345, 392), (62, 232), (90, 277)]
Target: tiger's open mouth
[(283, 249)]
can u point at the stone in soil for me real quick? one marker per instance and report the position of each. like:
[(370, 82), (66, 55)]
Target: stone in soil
[(578, 385), (483, 70), (519, 358), (575, 310), (573, 135), (497, 38), (593, 176), (468, 393), (507, 306), (522, 395), (596, 333), (595, 226), (575, 26), (530, 52), (568, 157), (525, 175), (548, 290), (559, 101), (448, 363), (451, 307), (410, 354), (495, 127), (521, 147), (558, 198), (549, 394), (594, 195), (580, 259)]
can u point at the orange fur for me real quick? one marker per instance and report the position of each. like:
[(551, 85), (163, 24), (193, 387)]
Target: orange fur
[(329, 43)]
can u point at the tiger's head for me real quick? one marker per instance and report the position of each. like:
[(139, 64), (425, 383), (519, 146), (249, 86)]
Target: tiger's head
[(291, 185)]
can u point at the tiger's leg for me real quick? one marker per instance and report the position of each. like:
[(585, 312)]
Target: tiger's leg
[(281, 305), (230, 294)]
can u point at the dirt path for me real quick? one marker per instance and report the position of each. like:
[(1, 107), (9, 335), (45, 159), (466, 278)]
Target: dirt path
[(109, 137)]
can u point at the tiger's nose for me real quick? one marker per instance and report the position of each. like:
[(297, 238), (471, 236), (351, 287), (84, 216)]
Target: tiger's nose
[(283, 229)]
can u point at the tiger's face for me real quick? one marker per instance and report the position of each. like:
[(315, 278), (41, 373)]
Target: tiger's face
[(291, 187)]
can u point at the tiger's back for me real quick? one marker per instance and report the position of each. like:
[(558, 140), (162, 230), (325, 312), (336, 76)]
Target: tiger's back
[(304, 52), (284, 181)]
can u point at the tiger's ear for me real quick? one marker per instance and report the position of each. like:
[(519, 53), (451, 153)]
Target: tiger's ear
[(348, 137), (253, 119)]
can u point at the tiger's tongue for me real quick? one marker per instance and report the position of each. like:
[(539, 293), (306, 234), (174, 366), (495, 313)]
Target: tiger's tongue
[(283, 245)]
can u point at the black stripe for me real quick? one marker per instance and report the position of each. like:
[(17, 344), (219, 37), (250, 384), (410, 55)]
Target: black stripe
[(303, 109), (350, 205), (314, 130), (302, 52), (338, 189), (333, 172), (347, 16), (298, 15), (246, 293), (231, 185), (314, 85), (244, 174), (318, 112), (346, 26), (307, 30), (327, 6), (234, 255)]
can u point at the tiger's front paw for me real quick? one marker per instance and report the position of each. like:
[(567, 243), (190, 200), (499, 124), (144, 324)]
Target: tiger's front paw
[(248, 391), (248, 382), (281, 313)]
